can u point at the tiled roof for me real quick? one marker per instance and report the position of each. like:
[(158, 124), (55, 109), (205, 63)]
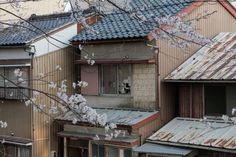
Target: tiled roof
[(213, 62), (196, 133), (25, 33), (120, 25)]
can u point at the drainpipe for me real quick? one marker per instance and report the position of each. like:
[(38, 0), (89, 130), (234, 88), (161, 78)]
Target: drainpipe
[(157, 74), (157, 62)]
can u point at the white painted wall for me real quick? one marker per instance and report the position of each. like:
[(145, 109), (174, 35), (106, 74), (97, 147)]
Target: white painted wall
[(43, 46)]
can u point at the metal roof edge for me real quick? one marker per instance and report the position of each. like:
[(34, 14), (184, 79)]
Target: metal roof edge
[(192, 146), (198, 81)]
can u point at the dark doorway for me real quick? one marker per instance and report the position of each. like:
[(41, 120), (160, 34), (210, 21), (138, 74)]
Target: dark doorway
[(77, 148)]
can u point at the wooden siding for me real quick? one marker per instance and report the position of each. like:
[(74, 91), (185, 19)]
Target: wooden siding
[(18, 118), (191, 100), (170, 58), (43, 128), (147, 130)]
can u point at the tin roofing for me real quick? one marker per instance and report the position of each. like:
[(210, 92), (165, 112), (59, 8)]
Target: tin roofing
[(213, 62), (15, 140), (207, 134), (120, 25), (23, 33), (157, 149), (117, 116)]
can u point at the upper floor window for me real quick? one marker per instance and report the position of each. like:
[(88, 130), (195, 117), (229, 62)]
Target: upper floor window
[(219, 99), (11, 86), (116, 79)]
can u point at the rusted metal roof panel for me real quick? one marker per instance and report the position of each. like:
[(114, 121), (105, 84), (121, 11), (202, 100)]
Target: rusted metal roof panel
[(213, 62), (118, 116), (196, 132)]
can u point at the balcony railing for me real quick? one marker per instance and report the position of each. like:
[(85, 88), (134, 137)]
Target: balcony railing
[(13, 93)]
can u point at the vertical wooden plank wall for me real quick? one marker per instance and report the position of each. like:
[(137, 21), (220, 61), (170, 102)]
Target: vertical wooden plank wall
[(44, 132), (191, 100)]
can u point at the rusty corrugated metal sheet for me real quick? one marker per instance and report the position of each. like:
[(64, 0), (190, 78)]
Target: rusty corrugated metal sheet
[(216, 61), (118, 116), (195, 132)]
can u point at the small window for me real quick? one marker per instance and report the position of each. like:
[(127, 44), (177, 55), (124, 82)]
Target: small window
[(98, 150), (215, 100), (116, 79), (112, 152), (8, 87), (127, 153)]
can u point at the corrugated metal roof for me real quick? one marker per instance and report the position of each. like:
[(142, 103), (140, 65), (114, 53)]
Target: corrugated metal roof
[(195, 132), (15, 140), (117, 116), (24, 33), (120, 25), (216, 61), (157, 149)]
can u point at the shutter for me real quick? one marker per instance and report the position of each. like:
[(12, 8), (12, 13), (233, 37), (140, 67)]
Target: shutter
[(90, 74)]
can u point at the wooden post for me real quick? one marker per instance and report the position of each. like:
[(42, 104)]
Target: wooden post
[(65, 147)]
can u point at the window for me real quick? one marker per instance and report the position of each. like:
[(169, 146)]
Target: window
[(116, 79), (127, 153), (215, 101), (112, 152), (219, 99), (98, 150), (14, 151), (9, 90)]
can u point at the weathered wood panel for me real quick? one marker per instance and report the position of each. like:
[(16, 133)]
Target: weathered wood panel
[(191, 100)]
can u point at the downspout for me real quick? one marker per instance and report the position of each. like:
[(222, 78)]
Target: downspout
[(158, 90)]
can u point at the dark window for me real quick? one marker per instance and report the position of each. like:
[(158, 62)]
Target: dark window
[(116, 79), (127, 153), (215, 100)]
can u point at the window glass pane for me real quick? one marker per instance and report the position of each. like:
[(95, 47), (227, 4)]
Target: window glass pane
[(112, 152), (24, 152), (9, 74), (109, 79), (124, 72), (97, 150), (127, 153)]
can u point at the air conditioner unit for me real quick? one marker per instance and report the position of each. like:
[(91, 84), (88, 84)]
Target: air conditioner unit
[(53, 153)]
